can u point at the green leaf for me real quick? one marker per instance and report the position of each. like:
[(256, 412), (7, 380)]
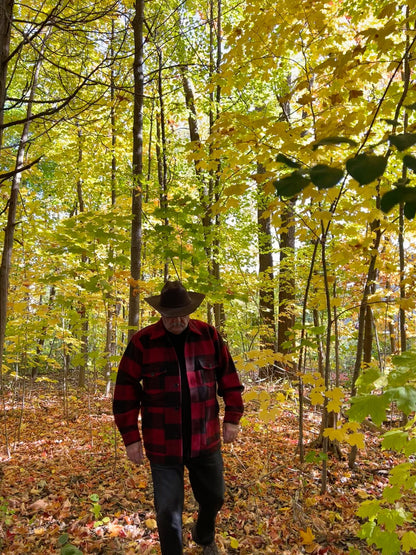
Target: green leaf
[(369, 509), (408, 541), (410, 448), (367, 530), (291, 185), (411, 106), (69, 549), (406, 360), (316, 457), (410, 162), (365, 382), (283, 159), (388, 542), (410, 210), (405, 398), (366, 168), (373, 405), (397, 196), (401, 474), (325, 177), (395, 440), (392, 494), (403, 141), (334, 141), (63, 539), (391, 121), (391, 518)]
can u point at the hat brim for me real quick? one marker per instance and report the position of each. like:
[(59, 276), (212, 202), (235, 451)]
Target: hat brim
[(195, 300)]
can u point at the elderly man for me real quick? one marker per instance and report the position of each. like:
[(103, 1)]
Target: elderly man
[(172, 372)]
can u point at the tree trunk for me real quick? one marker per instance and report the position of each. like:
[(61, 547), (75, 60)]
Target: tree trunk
[(406, 74), (371, 275), (6, 16), (205, 190), (110, 337), (215, 100), (11, 214), (82, 310), (162, 170), (403, 293), (287, 288), (320, 349), (266, 277), (368, 337), (136, 226)]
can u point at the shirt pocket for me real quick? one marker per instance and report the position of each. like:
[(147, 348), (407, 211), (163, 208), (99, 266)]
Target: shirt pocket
[(207, 367), (154, 384), (206, 377)]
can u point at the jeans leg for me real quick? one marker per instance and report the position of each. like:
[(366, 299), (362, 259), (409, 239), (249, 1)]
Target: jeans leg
[(169, 498), (206, 475)]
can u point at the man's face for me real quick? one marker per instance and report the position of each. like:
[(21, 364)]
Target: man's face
[(175, 325)]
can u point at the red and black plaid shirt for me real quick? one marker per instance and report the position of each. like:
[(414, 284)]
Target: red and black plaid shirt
[(149, 381)]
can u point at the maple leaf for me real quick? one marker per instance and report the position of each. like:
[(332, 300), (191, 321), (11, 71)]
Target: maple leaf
[(334, 434), (356, 439), (307, 537), (317, 397), (409, 541)]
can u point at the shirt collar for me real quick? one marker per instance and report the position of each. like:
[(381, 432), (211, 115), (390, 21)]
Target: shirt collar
[(158, 329)]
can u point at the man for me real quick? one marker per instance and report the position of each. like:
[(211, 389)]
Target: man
[(171, 372)]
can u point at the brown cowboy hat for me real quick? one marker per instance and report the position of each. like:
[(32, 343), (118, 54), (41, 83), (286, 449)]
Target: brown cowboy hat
[(175, 300)]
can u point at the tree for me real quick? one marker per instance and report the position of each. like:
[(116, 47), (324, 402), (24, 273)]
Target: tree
[(137, 175)]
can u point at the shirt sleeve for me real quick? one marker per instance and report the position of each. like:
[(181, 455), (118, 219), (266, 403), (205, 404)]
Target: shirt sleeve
[(229, 385), (128, 394)]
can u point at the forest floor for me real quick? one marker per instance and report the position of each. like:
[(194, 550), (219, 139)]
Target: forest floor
[(68, 483)]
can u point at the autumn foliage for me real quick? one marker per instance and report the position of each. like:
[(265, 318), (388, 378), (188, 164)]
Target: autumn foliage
[(68, 483)]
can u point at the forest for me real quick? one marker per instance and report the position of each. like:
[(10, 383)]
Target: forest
[(264, 154)]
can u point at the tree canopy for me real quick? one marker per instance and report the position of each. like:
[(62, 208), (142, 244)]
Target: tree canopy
[(262, 152)]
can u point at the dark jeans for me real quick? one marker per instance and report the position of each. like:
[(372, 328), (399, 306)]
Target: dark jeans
[(207, 481)]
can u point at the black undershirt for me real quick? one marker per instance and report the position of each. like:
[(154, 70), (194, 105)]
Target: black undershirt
[(178, 341)]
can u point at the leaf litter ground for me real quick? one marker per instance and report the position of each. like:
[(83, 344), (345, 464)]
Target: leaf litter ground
[(68, 478)]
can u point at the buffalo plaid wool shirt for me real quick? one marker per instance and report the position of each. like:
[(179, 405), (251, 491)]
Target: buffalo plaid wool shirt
[(149, 382)]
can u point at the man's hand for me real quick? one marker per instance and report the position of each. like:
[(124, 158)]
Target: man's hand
[(135, 452), (230, 432)]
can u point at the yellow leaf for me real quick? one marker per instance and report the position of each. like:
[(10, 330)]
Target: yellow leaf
[(314, 378), (305, 99), (307, 537), (234, 543), (250, 396), (264, 396), (334, 434), (324, 215), (407, 304), (333, 406), (238, 189), (352, 426), (265, 416), (151, 523), (317, 397), (356, 439), (336, 394), (19, 307)]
